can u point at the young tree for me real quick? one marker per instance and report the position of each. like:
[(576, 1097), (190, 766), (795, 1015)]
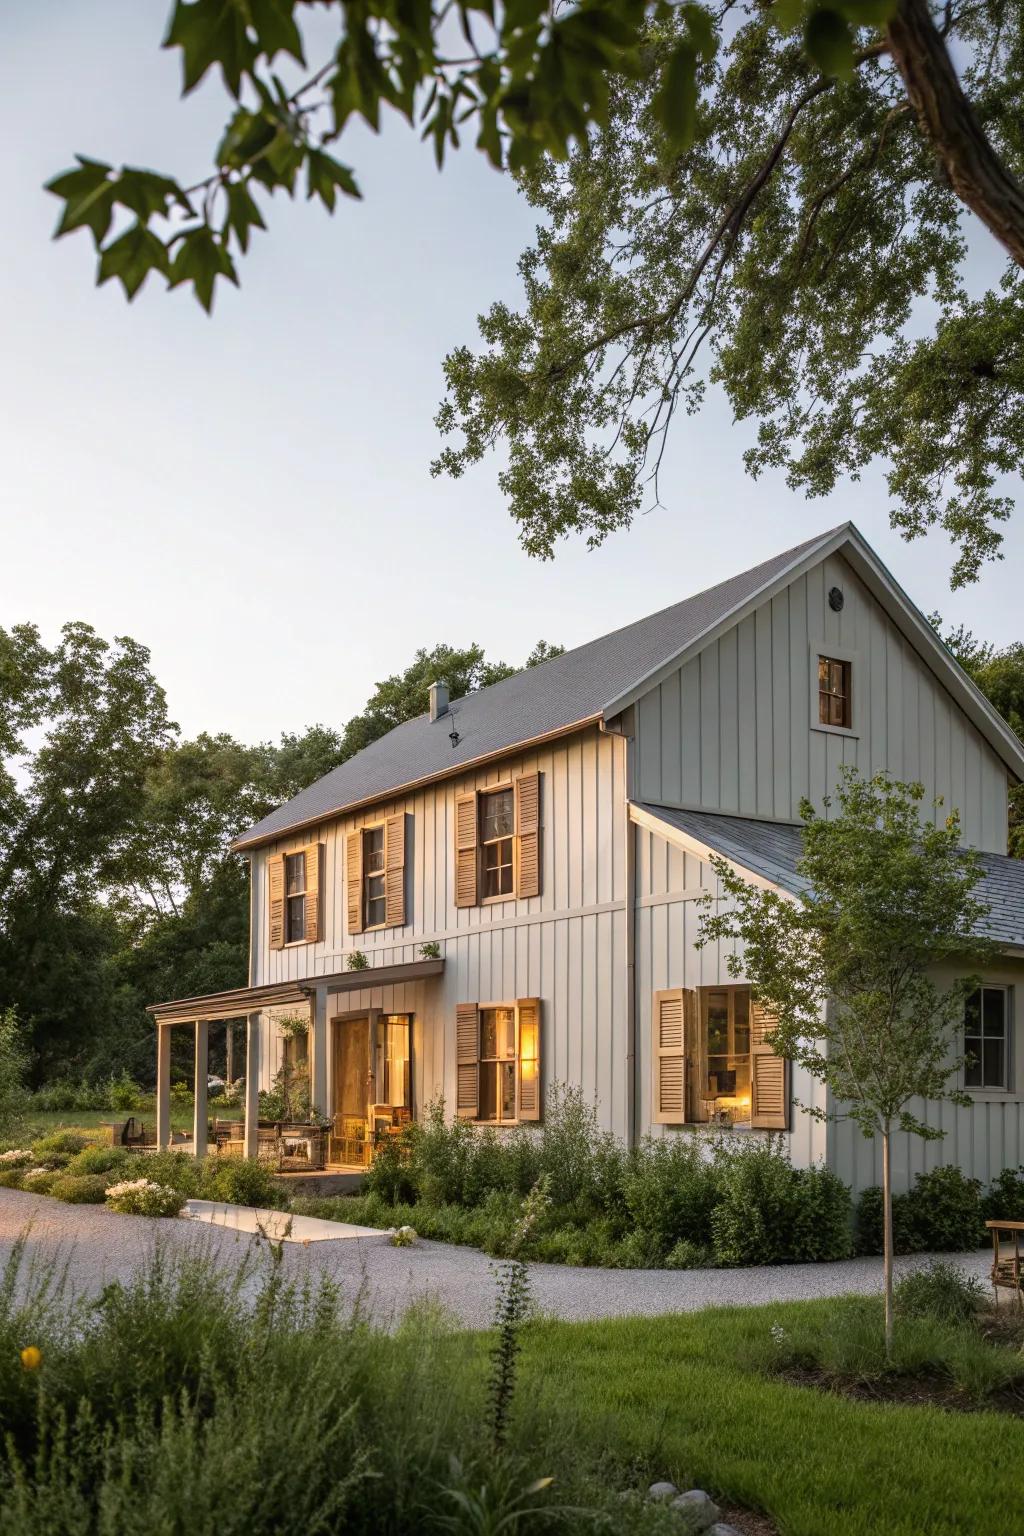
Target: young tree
[(867, 970), (14, 1060)]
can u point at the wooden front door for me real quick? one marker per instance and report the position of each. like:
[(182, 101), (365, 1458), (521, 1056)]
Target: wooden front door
[(351, 1142)]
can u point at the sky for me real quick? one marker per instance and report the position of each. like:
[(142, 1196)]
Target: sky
[(249, 494)]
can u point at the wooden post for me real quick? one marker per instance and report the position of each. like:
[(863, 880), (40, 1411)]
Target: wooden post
[(229, 1053), (200, 1126), (163, 1085), (318, 1049), (252, 1084)]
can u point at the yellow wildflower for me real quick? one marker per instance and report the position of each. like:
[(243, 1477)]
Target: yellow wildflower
[(31, 1358)]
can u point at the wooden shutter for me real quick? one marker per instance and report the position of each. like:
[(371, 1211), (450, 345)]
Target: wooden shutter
[(669, 1048), (394, 871), (769, 1075), (528, 1034), (528, 835), (466, 839), (314, 906), (275, 887), (467, 1060), (354, 881)]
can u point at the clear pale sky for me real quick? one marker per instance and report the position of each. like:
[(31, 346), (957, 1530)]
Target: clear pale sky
[(249, 495)]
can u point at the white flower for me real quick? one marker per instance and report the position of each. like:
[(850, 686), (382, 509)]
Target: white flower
[(779, 1335), (15, 1158)]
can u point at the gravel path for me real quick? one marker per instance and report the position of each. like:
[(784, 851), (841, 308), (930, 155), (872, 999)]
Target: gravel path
[(98, 1245)]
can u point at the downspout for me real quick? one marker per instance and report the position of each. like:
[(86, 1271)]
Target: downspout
[(629, 871)]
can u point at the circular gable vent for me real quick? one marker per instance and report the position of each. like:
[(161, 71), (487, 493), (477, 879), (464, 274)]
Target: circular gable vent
[(836, 599)]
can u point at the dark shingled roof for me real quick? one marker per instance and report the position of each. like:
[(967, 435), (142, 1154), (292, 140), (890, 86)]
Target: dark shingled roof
[(771, 849), (537, 702)]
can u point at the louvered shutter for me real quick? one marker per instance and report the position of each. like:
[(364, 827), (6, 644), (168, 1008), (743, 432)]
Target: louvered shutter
[(669, 1047), (769, 1075), (275, 899), (354, 881), (529, 1058), (394, 871), (528, 835), (314, 906), (466, 838), (467, 1060)]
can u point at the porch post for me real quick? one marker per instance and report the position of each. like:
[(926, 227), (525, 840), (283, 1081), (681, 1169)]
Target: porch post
[(252, 1084), (318, 1049), (229, 1053), (163, 1085), (200, 1127)]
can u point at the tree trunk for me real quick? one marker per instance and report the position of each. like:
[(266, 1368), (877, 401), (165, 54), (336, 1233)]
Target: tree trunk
[(887, 1233), (946, 118)]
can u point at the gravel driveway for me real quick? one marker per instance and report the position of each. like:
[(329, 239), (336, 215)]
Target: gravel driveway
[(99, 1245)]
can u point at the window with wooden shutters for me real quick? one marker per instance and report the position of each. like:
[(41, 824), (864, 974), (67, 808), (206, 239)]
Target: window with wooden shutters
[(275, 899), (394, 870), (527, 790), (497, 842), (374, 876), (295, 897), (769, 1075), (466, 849), (530, 1090), (467, 1060), (354, 881), (669, 1048), (313, 924)]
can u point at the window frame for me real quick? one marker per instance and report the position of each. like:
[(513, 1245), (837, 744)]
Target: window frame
[(824, 650), (379, 1021), (368, 875), (507, 787), (983, 1090), (732, 990), (294, 896)]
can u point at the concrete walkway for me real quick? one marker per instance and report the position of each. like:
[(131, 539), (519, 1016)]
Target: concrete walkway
[(99, 1245)]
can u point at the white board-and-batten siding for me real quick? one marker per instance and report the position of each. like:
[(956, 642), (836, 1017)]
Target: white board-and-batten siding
[(669, 882), (566, 946), (733, 729)]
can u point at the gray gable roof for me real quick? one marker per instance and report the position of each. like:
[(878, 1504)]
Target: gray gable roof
[(771, 849), (540, 701)]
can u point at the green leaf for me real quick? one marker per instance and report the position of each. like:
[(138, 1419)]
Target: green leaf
[(243, 213), (210, 32), (147, 193), (276, 28), (246, 136), (201, 258), (829, 42), (675, 104), (88, 195), (325, 175), (131, 257)]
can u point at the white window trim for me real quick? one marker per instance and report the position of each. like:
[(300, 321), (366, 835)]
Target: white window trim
[(371, 826), (294, 854), (821, 648), (481, 1008), (990, 1095), (506, 786)]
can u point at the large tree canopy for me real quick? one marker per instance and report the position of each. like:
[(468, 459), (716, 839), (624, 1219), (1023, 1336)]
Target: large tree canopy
[(807, 254)]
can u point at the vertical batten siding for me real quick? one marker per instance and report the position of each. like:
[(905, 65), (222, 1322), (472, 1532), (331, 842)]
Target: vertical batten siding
[(549, 946), (667, 882), (732, 729)]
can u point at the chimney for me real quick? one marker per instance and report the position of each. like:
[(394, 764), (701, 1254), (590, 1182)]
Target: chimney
[(438, 700)]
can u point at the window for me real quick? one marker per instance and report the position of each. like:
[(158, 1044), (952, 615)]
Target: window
[(986, 1037), (393, 1061), (295, 897), (834, 693), (497, 827), (374, 900), (724, 1078), (497, 1064)]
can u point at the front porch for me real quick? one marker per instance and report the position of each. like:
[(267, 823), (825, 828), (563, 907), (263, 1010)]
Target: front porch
[(335, 1080)]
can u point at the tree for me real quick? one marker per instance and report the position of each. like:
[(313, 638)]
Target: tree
[(1000, 676), (867, 971), (805, 255), (14, 1060), (763, 196)]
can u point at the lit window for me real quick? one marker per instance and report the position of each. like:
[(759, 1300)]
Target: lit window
[(373, 877), (497, 1064), (834, 695), (295, 897), (497, 824), (985, 1038), (393, 1061), (725, 1069)]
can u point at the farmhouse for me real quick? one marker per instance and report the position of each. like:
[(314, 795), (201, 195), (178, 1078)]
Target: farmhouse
[(499, 896)]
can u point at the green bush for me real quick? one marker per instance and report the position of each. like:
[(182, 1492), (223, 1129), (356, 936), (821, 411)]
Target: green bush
[(821, 1217), (39, 1181), (947, 1210), (1005, 1198), (868, 1223), (143, 1197), (58, 1148), (687, 1255), (12, 1178), (100, 1160), (669, 1190), (940, 1291), (80, 1188), (68, 1093), (124, 1093), (240, 1181)]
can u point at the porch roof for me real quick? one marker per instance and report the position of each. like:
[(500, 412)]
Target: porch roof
[(239, 1001), (770, 852)]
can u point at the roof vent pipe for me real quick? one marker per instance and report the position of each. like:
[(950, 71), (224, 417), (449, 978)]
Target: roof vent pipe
[(438, 700)]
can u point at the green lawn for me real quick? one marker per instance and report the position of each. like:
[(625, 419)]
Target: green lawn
[(681, 1395), (40, 1122)]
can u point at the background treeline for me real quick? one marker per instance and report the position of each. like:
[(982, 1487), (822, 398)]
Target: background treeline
[(116, 885)]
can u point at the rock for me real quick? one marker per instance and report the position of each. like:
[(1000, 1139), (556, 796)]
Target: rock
[(700, 1510), (662, 1492)]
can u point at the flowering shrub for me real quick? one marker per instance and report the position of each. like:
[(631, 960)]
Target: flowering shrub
[(17, 1158), (141, 1197), (40, 1180)]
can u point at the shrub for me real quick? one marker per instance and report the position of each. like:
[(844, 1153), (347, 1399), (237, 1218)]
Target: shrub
[(751, 1222), (868, 1223), (442, 1154), (12, 1178), (80, 1188), (58, 1148), (687, 1255), (940, 1291), (99, 1160), (568, 1141), (240, 1181), (124, 1092), (821, 1217), (16, 1157), (14, 1063), (947, 1210), (1005, 1198), (67, 1093), (39, 1181), (669, 1190), (143, 1197), (391, 1174)]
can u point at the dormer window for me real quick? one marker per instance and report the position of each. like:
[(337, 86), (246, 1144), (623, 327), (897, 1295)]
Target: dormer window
[(835, 693)]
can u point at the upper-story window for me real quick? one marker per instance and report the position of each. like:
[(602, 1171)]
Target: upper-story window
[(835, 695), (986, 1038), (374, 898), (497, 828), (295, 897)]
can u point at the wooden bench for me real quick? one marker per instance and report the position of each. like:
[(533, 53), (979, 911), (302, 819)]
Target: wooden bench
[(1007, 1272)]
